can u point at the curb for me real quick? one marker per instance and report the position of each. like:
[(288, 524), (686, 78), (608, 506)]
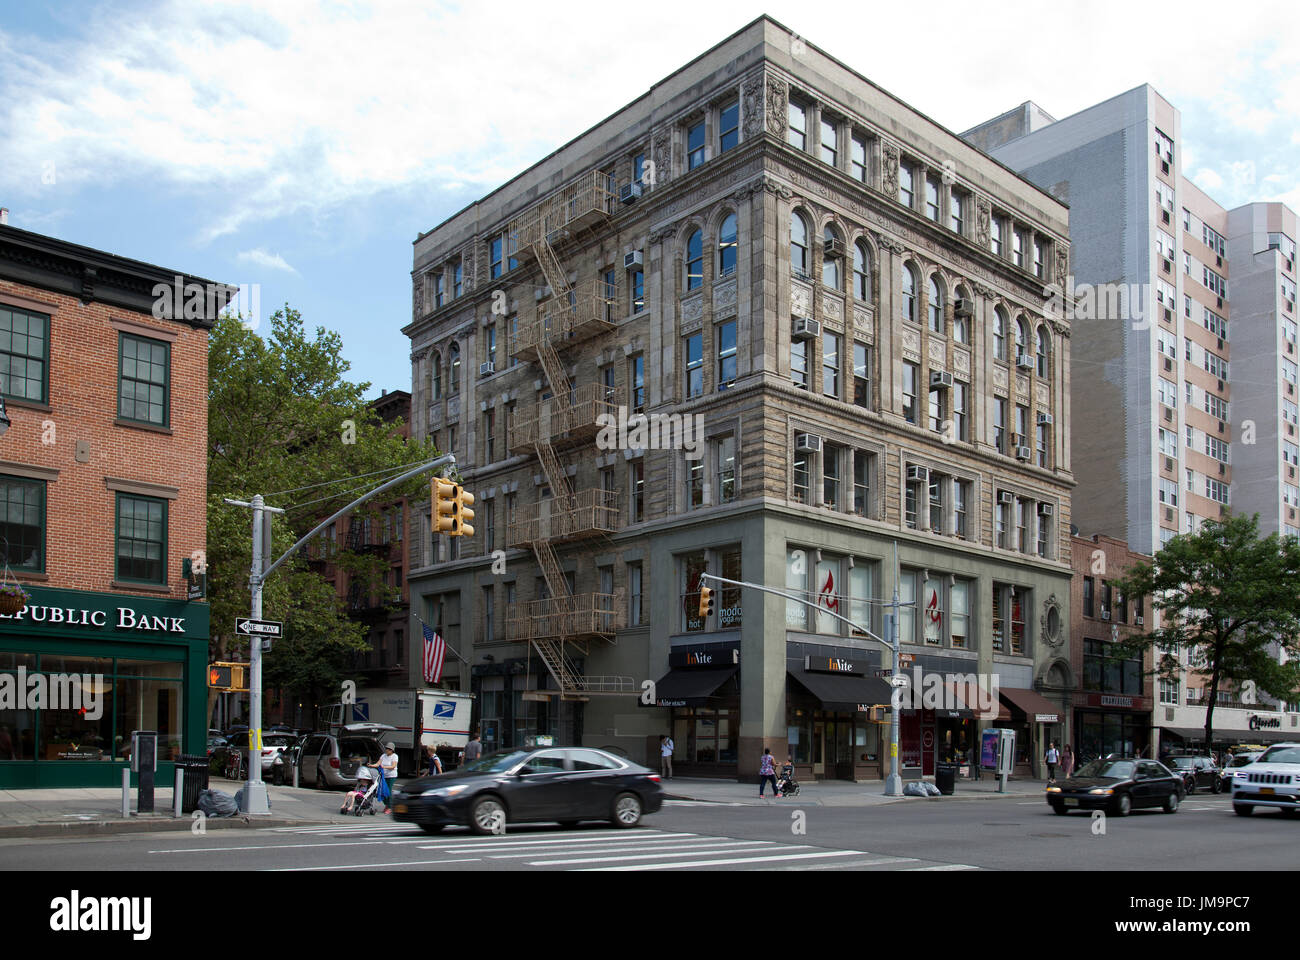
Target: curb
[(170, 824)]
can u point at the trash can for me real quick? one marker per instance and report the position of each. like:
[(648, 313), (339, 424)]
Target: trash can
[(945, 778), (195, 767)]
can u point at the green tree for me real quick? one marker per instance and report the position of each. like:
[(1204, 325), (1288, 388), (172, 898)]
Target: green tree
[(284, 422), (1230, 600)]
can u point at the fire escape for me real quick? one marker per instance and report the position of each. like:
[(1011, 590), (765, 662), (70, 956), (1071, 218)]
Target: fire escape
[(566, 421)]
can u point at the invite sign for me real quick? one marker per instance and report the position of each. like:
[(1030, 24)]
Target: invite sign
[(842, 665)]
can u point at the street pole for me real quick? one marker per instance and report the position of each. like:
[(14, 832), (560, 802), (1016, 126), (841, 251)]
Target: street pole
[(894, 783)]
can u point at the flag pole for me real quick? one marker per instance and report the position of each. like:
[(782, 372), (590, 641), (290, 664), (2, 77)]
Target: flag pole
[(444, 640)]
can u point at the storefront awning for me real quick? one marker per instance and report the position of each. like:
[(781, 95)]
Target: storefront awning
[(1232, 736), (844, 692), (1032, 705), (689, 688)]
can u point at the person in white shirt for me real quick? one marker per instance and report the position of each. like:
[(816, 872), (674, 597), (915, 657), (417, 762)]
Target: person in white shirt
[(1052, 757), (666, 757), (388, 764)]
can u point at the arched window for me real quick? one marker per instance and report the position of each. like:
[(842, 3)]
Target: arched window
[(436, 377), (453, 354), (861, 272), (727, 246), (831, 258), (909, 294), (936, 306), (1044, 345), (1022, 338), (999, 334), (695, 260), (798, 244), (961, 322)]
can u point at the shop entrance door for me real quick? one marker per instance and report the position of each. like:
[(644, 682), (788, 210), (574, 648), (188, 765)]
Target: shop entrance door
[(819, 749), (843, 740)]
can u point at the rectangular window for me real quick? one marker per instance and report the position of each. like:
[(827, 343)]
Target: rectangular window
[(937, 483), (911, 372), (938, 410), (907, 614), (829, 144), (694, 484), (636, 382), (141, 539), (726, 339), (439, 290), (995, 236), (24, 354), (858, 158), (802, 476), (1040, 444), (932, 199), (1022, 531), (905, 186), (862, 483), (726, 474), (999, 618), (1017, 248), (695, 146), (797, 130), (144, 379), (693, 565), (494, 259), (959, 600), (636, 480), (932, 612), (862, 375), (634, 594), (799, 363), (831, 365), (490, 436), (1044, 534), (638, 168), (956, 215), (636, 290), (831, 457), (489, 611), (1038, 257), (489, 525), (728, 126), (1002, 519), (960, 503), (1000, 424), (22, 523), (1089, 586), (457, 277), (693, 348), (959, 416), (912, 493)]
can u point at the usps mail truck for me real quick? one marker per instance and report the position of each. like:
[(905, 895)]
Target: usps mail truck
[(442, 721)]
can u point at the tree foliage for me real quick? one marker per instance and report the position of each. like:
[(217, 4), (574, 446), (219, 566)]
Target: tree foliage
[(1231, 601), (284, 421)]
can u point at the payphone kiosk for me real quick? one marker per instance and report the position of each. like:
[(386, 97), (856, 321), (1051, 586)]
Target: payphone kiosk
[(998, 753), (144, 761)]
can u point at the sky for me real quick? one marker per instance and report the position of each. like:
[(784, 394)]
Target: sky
[(301, 145)]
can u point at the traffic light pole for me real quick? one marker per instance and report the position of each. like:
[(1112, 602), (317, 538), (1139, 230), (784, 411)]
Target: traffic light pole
[(256, 802), (894, 782)]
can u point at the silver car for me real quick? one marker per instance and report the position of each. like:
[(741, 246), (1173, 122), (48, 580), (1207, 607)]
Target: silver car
[(330, 762)]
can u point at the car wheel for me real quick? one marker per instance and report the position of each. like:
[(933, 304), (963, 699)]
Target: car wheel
[(487, 816), (1242, 809), (1123, 804), (1287, 811), (432, 827), (321, 782), (627, 810), (1218, 787), (1191, 787), (1058, 809), (1171, 803)]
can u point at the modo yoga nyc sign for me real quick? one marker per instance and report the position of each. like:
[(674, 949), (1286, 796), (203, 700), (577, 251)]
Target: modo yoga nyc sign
[(52, 611)]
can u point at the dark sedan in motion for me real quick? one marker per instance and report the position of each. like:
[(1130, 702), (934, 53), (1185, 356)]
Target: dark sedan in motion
[(1118, 786), (553, 784)]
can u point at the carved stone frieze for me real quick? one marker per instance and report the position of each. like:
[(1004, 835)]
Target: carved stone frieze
[(800, 299), (1042, 396), (1000, 378), (692, 309), (889, 169), (777, 108), (863, 318), (724, 297), (751, 95), (983, 220), (938, 352), (961, 362), (833, 309), (912, 345), (1062, 267), (1022, 388)]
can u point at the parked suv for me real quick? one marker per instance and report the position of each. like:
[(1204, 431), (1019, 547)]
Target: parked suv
[(1232, 769), (1271, 781), (330, 762)]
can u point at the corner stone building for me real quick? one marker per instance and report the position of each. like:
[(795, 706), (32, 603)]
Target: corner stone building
[(851, 301)]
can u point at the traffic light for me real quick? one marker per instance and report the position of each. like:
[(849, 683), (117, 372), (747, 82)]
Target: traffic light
[(219, 677), (706, 601), (228, 676), (445, 507), (464, 501)]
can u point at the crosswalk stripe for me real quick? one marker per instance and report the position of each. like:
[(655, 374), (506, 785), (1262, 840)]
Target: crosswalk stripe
[(845, 865), (723, 863), (945, 866), (646, 850), (367, 866), (506, 842), (757, 845)]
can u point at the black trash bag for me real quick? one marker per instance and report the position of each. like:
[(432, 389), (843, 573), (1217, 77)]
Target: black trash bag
[(214, 803), (915, 788)]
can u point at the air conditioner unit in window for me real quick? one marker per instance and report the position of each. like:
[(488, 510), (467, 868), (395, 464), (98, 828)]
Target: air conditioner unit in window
[(1024, 453), (633, 259), (1045, 419), (1006, 496), (808, 442), (1024, 361), (963, 307), (833, 248), (806, 329), (485, 368), (1138, 621), (1045, 509), (918, 473), (630, 192), (940, 379), (1105, 614)]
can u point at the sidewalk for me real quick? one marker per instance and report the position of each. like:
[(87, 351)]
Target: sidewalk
[(91, 811), (841, 793)]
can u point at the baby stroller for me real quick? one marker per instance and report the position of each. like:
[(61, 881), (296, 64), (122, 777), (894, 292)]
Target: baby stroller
[(362, 797), (787, 785)]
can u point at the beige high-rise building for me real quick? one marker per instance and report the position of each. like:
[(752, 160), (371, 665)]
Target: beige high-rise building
[(831, 311)]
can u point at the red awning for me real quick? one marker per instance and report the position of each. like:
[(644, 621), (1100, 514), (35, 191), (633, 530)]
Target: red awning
[(1030, 705)]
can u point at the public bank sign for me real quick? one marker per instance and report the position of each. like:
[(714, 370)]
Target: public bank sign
[(52, 611)]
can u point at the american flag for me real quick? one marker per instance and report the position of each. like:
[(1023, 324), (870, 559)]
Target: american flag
[(434, 651)]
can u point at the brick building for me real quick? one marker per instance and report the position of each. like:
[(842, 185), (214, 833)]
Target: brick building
[(850, 300), (103, 474)]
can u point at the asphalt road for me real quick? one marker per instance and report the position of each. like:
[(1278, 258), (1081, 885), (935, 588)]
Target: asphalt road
[(970, 834)]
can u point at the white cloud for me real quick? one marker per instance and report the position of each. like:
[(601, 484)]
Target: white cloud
[(1207, 179), (271, 261)]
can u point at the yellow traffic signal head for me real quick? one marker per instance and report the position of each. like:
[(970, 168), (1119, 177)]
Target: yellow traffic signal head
[(464, 499), (219, 677), (445, 506), (706, 601)]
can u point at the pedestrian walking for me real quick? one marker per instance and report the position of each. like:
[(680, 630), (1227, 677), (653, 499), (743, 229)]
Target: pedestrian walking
[(767, 771), (433, 766), (388, 766), (1067, 761), (1052, 757), (473, 749), (666, 757)]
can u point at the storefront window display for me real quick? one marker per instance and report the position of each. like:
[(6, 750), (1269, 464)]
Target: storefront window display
[(702, 735)]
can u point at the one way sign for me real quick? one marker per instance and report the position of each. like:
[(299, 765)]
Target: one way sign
[(248, 627)]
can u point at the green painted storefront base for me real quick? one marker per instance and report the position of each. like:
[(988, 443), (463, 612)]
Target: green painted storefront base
[(27, 775)]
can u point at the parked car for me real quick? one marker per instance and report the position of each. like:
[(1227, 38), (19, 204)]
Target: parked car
[(284, 762), (1271, 781), (1230, 772), (1197, 772), (564, 785), (1118, 785), (330, 762), (231, 758)]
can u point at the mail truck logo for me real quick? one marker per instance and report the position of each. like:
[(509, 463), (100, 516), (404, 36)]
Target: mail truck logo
[(444, 709)]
